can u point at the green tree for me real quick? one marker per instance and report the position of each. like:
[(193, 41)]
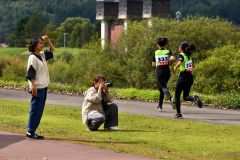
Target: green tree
[(52, 32), (54, 12), (27, 28), (79, 31), (35, 25)]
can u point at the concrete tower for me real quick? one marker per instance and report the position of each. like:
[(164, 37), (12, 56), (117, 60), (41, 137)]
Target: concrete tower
[(111, 11)]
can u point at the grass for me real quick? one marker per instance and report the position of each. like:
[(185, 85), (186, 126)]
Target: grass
[(148, 136), (18, 51), (12, 51), (135, 94)]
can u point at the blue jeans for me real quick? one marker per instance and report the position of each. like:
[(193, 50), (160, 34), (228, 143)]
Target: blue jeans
[(36, 109)]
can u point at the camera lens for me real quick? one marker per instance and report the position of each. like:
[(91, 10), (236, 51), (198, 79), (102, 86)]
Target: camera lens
[(109, 84)]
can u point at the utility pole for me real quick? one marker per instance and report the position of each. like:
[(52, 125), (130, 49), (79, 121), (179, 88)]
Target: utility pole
[(64, 39)]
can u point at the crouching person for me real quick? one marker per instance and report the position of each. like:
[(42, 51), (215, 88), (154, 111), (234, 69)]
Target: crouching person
[(98, 108)]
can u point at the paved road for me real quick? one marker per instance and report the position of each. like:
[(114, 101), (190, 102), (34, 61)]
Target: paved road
[(16, 147), (133, 107)]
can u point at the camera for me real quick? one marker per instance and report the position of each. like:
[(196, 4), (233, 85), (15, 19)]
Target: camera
[(108, 84)]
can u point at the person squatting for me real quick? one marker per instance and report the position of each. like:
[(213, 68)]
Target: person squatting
[(98, 108)]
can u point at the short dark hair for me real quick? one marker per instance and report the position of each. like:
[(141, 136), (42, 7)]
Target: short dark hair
[(33, 43), (162, 41), (97, 79)]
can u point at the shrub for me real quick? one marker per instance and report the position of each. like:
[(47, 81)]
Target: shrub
[(227, 100), (139, 41), (12, 68), (220, 72), (60, 72)]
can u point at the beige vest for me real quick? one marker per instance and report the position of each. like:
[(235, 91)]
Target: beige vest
[(42, 76)]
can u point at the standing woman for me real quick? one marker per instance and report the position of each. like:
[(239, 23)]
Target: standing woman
[(185, 80), (38, 79), (161, 60)]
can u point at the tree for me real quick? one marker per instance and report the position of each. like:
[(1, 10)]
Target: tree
[(27, 28), (79, 31), (54, 11)]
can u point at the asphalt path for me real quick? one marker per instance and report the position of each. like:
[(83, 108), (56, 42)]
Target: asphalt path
[(17, 147), (190, 112)]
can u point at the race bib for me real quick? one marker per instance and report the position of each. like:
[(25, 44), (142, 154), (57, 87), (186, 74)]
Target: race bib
[(189, 66), (162, 60)]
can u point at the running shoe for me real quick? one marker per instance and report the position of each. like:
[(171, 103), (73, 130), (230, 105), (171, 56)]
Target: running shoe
[(197, 101), (159, 108), (178, 115)]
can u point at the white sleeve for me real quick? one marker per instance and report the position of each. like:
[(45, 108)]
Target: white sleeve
[(92, 97)]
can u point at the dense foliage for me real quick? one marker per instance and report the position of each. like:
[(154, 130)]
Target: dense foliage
[(21, 20), (128, 65), (73, 32), (207, 34), (54, 12), (220, 72)]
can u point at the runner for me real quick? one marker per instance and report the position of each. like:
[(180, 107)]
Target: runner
[(185, 80), (161, 61)]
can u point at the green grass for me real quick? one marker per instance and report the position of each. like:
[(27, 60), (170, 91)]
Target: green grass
[(135, 94), (12, 51), (147, 136), (18, 51)]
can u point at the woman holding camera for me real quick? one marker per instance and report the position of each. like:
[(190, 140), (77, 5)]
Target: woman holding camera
[(97, 107), (38, 79)]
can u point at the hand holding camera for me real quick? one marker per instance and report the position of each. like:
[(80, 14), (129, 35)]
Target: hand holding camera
[(106, 86)]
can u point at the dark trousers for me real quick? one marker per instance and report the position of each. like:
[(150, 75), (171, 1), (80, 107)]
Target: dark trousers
[(36, 109), (184, 85), (96, 119), (162, 80)]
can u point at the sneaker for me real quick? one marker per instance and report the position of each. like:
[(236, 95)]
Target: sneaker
[(115, 128), (159, 108), (33, 136), (197, 101), (173, 104), (178, 115)]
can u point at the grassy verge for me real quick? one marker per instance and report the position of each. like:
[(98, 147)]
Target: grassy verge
[(18, 51), (12, 51), (226, 100), (152, 137)]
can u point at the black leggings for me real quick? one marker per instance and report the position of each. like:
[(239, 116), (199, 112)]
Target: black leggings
[(184, 84), (163, 78)]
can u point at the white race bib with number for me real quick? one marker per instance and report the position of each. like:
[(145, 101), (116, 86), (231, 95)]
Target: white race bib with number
[(162, 60), (189, 66)]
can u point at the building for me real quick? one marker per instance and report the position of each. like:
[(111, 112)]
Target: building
[(114, 15)]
